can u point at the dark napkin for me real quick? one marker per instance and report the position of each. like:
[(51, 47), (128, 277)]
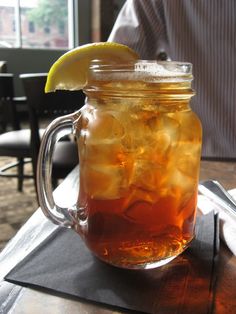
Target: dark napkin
[(63, 264)]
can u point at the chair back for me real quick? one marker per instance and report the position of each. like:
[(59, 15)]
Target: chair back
[(55, 103), (3, 66), (49, 106), (6, 85), (7, 107)]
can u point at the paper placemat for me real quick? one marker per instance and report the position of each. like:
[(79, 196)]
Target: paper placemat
[(63, 264)]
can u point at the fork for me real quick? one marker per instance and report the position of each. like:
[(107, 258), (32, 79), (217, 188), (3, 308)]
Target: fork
[(217, 193)]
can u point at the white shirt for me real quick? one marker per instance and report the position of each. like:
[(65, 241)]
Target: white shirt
[(202, 32)]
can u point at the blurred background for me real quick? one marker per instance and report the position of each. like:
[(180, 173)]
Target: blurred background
[(34, 33)]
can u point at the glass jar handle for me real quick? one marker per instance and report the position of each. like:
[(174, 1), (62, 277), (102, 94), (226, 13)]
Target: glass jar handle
[(57, 129)]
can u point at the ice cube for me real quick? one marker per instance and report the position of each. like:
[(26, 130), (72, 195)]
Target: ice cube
[(146, 175), (178, 179), (189, 124), (171, 127), (145, 179), (138, 194), (188, 165), (103, 126), (187, 156), (164, 135), (105, 154), (104, 181)]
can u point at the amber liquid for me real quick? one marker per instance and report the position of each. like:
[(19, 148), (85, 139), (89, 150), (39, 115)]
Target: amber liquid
[(141, 234), (138, 181)]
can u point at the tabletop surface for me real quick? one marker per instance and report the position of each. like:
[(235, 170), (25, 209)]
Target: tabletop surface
[(17, 299)]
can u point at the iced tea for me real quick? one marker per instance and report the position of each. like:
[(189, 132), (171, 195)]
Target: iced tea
[(139, 148)]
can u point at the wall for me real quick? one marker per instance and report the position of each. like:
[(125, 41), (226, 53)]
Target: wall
[(104, 13)]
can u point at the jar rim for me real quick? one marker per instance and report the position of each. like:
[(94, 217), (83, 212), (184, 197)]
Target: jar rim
[(141, 69)]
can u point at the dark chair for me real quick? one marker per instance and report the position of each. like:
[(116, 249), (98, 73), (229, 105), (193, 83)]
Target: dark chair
[(44, 108), (6, 95), (14, 143), (3, 66)]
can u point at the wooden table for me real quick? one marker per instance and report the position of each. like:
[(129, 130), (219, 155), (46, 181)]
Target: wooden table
[(26, 300)]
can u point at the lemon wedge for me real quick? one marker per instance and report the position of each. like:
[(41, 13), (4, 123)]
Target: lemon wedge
[(70, 71)]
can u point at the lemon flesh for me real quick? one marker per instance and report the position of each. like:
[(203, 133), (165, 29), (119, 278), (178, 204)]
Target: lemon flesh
[(70, 71)]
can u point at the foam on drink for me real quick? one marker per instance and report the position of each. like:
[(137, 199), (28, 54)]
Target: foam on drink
[(142, 70)]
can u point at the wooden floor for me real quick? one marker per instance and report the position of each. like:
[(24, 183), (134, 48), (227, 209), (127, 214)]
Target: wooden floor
[(15, 207)]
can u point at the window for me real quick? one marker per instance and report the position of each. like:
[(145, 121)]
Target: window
[(61, 27), (47, 29), (31, 27), (13, 26), (37, 24)]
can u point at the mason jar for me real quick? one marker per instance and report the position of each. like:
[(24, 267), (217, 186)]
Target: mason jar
[(139, 146)]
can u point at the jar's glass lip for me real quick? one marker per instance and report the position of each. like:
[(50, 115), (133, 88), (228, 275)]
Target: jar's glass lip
[(142, 69), (154, 67)]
